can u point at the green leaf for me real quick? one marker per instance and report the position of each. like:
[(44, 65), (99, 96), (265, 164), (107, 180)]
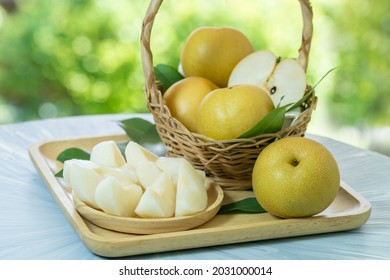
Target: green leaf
[(122, 146), (167, 75), (300, 101), (60, 173), (271, 123), (73, 153), (140, 131), (249, 205)]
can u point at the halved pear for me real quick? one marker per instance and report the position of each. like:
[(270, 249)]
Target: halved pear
[(191, 194), (288, 82), (135, 153), (107, 153), (254, 69), (158, 201), (115, 198), (284, 81), (147, 172), (83, 180)]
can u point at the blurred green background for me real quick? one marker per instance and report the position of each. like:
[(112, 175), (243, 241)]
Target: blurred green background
[(76, 57)]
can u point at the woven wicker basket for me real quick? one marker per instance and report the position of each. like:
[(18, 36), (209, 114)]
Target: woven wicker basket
[(228, 162)]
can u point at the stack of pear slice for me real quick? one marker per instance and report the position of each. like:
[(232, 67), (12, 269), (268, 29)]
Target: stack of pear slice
[(136, 184)]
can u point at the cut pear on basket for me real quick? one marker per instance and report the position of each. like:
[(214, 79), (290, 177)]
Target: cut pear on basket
[(284, 80), (254, 69)]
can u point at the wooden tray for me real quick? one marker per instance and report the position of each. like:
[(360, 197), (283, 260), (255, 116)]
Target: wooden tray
[(349, 210)]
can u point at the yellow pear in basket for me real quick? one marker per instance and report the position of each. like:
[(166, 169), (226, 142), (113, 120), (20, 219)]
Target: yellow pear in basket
[(183, 98), (212, 53), (227, 113), (284, 80), (83, 179), (147, 172), (158, 200), (191, 193), (135, 153), (118, 199), (295, 177), (107, 153)]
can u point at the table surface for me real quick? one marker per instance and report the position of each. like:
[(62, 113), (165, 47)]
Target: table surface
[(32, 225)]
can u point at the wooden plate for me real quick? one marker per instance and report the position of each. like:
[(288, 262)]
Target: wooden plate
[(150, 226), (348, 211)]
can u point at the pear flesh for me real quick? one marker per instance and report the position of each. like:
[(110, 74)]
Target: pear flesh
[(83, 180), (66, 171), (284, 80), (107, 153), (144, 185), (124, 175), (118, 199), (191, 194), (288, 84), (147, 172), (170, 165), (158, 201), (135, 153), (253, 69)]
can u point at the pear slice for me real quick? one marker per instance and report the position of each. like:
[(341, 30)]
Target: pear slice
[(201, 173), (170, 165), (117, 199), (107, 153), (83, 180), (254, 69), (66, 171), (147, 172), (158, 201), (135, 153), (191, 194), (288, 82), (124, 175)]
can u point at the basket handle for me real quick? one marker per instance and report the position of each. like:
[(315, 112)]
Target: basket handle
[(307, 33), (147, 56)]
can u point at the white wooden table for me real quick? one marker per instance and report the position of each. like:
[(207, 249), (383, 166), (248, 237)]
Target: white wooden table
[(32, 226)]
